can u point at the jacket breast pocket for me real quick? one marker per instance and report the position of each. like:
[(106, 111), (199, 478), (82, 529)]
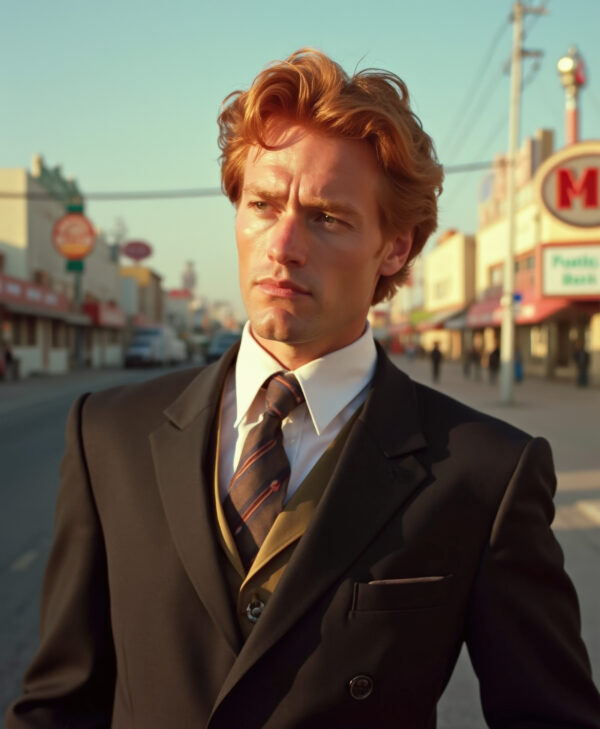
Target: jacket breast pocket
[(401, 594)]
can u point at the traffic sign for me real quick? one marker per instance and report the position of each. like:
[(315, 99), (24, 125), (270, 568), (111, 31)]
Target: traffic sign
[(74, 266), (73, 236)]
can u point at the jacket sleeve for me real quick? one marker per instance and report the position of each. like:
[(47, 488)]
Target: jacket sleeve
[(523, 630), (70, 682)]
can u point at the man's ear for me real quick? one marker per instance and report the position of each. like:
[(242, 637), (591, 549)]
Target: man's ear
[(396, 252)]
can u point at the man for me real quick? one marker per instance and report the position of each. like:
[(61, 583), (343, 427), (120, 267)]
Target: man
[(436, 362), (298, 535)]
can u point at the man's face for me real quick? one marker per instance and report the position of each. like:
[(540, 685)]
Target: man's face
[(309, 242)]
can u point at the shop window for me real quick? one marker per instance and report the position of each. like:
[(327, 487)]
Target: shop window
[(16, 334), (539, 342), (25, 331), (496, 275), (58, 334), (441, 289)]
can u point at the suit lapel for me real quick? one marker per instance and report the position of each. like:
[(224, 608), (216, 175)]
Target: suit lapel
[(374, 477), (180, 448)]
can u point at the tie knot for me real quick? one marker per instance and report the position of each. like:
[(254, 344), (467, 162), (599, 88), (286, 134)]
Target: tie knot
[(283, 394)]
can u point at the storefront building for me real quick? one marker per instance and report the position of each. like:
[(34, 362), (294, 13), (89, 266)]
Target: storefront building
[(449, 278), (557, 258), (39, 318)]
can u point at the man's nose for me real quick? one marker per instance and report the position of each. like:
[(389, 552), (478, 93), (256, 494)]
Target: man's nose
[(287, 242)]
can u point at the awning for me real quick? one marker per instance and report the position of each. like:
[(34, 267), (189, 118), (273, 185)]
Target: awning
[(530, 310), (70, 317), (458, 322), (485, 313), (77, 319), (28, 310), (536, 311), (401, 328), (439, 319)]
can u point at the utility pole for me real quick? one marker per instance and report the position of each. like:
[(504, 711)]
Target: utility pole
[(507, 337)]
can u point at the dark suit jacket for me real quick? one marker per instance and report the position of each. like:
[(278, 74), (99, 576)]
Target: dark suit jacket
[(434, 530)]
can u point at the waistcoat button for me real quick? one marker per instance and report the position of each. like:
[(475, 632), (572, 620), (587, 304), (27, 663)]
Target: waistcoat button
[(361, 687), (254, 609)]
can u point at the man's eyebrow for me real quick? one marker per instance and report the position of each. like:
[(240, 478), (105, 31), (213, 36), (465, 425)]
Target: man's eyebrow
[(333, 206), (314, 203), (261, 192)]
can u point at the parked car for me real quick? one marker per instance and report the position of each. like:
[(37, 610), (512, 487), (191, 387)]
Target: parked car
[(220, 343), (156, 345)]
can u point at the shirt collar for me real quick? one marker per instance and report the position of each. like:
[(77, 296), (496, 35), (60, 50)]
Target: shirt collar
[(329, 383)]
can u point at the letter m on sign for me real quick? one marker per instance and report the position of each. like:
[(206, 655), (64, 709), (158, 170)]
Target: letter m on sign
[(568, 187)]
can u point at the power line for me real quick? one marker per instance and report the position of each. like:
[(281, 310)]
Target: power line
[(129, 195), (469, 97), (180, 194), (534, 18)]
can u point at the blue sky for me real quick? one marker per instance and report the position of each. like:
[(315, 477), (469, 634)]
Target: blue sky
[(124, 95)]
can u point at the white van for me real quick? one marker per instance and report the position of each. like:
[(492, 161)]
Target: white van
[(155, 345)]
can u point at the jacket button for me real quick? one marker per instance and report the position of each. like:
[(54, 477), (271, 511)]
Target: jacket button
[(361, 687), (254, 609)]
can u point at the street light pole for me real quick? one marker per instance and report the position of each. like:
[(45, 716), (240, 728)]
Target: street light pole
[(507, 337)]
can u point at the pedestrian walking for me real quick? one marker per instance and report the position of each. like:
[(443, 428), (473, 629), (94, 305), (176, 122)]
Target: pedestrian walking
[(582, 362), (494, 364), (436, 362), (518, 365)]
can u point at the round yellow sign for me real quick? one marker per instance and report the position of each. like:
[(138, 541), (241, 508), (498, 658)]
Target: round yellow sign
[(73, 236)]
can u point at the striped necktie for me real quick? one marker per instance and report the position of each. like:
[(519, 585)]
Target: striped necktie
[(259, 484)]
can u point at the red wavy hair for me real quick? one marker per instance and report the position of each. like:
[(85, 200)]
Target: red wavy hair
[(372, 105)]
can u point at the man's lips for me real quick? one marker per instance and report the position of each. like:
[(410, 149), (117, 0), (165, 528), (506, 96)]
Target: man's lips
[(282, 287)]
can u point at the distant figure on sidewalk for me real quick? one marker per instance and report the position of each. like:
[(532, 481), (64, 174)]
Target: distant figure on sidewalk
[(582, 362), (494, 364), (473, 362), (518, 365), (436, 362), (7, 361)]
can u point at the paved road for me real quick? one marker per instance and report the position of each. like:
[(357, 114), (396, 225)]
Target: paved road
[(33, 413), (32, 417)]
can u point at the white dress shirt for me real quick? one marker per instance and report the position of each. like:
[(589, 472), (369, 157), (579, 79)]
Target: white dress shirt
[(334, 387)]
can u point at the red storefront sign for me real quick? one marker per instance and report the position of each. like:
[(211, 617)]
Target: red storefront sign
[(569, 185), (105, 315), (16, 291)]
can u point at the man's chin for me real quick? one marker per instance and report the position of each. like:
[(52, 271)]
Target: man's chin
[(274, 329)]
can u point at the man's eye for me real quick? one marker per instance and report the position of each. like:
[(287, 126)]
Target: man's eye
[(327, 219), (258, 205)]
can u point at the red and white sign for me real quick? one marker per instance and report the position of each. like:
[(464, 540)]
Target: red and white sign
[(73, 236), (16, 291), (569, 185), (137, 250), (103, 314)]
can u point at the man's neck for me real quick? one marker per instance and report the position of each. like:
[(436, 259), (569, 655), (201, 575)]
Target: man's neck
[(292, 356)]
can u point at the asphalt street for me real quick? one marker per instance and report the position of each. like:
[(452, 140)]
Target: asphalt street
[(32, 419)]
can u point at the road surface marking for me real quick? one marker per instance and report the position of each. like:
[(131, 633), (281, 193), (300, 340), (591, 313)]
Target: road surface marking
[(579, 480), (591, 509), (24, 561), (570, 516)]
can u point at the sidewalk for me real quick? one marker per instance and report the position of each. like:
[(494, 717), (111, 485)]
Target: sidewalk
[(568, 416)]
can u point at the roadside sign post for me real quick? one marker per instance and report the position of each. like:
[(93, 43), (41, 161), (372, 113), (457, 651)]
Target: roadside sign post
[(74, 238)]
